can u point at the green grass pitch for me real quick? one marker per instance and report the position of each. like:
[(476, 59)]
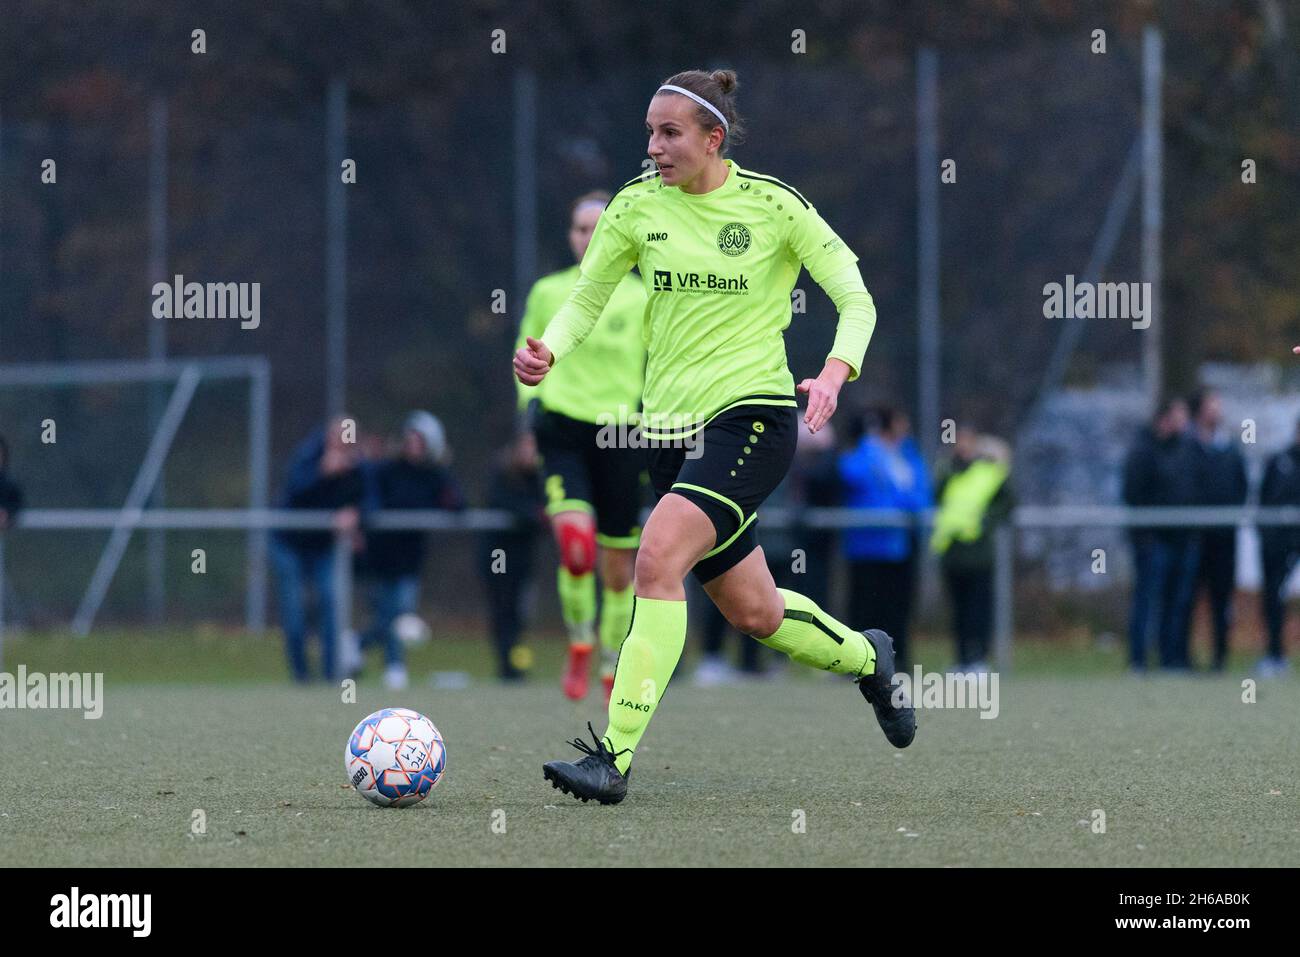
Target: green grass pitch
[(790, 771)]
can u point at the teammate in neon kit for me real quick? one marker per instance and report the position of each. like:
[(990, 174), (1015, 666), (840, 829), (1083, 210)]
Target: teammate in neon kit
[(593, 495), (719, 249)]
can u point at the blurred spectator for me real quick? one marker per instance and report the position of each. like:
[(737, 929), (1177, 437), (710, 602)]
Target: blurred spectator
[(816, 484), (797, 557), (1162, 468), (1279, 550), (506, 557), (11, 502), (11, 496), (1223, 482), (323, 474), (884, 471), (974, 497), (417, 478)]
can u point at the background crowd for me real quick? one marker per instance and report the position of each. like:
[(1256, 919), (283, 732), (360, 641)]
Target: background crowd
[(1183, 457), (877, 465), (1186, 457)]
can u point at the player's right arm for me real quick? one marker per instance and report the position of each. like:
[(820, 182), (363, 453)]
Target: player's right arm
[(530, 326), (533, 361), (610, 255)]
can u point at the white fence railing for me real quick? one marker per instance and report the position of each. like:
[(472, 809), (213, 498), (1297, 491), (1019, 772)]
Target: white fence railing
[(476, 520)]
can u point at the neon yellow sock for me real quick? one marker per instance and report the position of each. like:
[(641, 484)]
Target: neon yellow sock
[(615, 620), (577, 604), (812, 637), (650, 653)]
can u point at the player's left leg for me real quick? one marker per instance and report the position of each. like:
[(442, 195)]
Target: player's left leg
[(794, 625), (616, 566)]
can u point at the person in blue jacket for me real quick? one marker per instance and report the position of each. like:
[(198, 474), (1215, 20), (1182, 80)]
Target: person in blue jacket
[(323, 474), (884, 470)]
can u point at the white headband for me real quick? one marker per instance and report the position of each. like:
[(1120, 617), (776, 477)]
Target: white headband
[(726, 127)]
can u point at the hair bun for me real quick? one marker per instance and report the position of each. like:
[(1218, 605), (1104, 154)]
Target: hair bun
[(726, 79)]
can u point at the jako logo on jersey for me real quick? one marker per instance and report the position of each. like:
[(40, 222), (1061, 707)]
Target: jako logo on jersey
[(733, 238), (624, 703), (655, 237)]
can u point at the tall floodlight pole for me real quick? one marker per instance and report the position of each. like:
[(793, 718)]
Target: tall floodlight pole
[(927, 273), (336, 251), (525, 142), (156, 547), (1152, 210)]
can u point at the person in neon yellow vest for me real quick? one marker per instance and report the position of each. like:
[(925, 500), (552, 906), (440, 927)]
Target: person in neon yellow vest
[(593, 486), (973, 497)]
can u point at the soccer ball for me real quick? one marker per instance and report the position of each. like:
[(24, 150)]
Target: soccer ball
[(411, 629), (395, 757)]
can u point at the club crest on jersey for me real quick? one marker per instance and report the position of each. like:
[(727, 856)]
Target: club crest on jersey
[(733, 238)]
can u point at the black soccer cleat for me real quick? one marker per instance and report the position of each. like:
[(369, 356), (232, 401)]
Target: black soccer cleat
[(595, 776), (899, 724)]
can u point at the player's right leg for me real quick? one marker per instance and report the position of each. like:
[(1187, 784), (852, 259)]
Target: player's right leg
[(676, 536)]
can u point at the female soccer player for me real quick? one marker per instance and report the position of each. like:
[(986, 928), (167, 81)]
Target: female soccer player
[(719, 250), (592, 492)]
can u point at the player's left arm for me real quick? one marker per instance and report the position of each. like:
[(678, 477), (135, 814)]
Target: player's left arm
[(834, 267)]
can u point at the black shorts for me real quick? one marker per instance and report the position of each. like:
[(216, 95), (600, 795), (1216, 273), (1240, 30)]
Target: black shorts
[(578, 475), (736, 462)]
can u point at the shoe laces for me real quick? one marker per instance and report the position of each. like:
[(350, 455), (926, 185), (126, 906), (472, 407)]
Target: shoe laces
[(599, 752), (878, 689)]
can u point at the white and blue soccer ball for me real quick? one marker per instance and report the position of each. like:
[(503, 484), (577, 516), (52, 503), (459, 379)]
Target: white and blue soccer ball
[(395, 757)]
